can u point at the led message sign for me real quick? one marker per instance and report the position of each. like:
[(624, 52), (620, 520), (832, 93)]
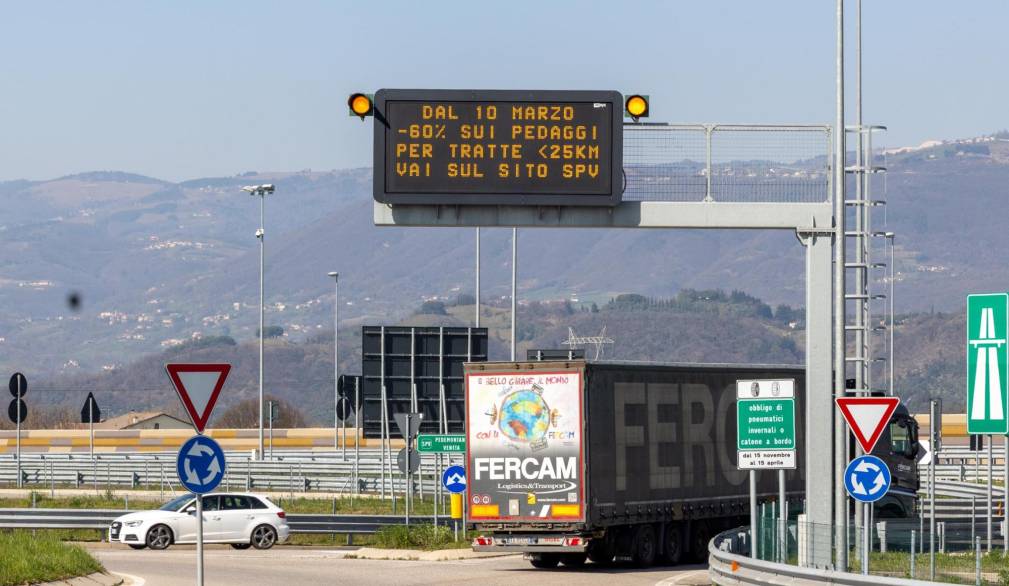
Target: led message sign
[(480, 147)]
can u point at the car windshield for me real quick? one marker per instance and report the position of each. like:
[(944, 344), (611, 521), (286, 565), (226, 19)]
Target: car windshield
[(176, 503)]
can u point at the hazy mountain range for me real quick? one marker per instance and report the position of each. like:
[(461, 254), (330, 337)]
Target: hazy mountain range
[(156, 263)]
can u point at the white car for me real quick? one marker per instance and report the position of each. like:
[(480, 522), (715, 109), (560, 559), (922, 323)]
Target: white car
[(241, 519)]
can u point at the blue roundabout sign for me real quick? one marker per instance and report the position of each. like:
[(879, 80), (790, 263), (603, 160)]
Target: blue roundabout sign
[(867, 478), (200, 464)]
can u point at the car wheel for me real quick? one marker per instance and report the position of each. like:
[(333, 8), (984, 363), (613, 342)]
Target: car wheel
[(645, 546), (241, 545), (159, 537), (263, 537), (573, 560), (544, 560), (137, 545)]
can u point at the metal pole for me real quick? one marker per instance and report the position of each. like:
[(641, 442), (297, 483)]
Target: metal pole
[(271, 431), (931, 490), (199, 540), (262, 308), (782, 515), (892, 272), (753, 514), (840, 440), (18, 432), (357, 431), (91, 428), (336, 367), (477, 277), (987, 510), (977, 561), (865, 540), (913, 554), (1005, 494), (973, 517), (409, 474), (515, 233)]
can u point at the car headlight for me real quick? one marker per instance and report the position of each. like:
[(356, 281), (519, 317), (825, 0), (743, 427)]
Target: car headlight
[(133, 523)]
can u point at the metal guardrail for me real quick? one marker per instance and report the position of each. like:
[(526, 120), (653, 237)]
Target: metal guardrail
[(286, 472), (727, 566), (102, 518)]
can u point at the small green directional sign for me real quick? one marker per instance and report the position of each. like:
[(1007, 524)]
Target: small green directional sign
[(987, 361), (443, 443)]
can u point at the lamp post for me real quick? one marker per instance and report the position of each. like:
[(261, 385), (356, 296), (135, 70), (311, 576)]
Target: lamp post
[(261, 191), (337, 420), (890, 236)]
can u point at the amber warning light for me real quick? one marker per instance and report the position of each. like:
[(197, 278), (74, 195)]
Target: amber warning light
[(636, 106), (360, 105)]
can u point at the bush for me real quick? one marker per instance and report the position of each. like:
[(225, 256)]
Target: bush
[(414, 537)]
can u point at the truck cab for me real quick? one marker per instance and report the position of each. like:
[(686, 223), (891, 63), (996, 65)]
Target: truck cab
[(898, 447)]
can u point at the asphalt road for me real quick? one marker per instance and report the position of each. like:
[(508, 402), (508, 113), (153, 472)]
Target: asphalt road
[(291, 565)]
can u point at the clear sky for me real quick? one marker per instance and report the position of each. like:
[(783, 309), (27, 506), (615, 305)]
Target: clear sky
[(188, 89)]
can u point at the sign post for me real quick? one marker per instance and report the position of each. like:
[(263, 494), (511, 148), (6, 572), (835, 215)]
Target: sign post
[(987, 375), (409, 425), (867, 478), (89, 414), (17, 411), (765, 438), (454, 481), (200, 464)]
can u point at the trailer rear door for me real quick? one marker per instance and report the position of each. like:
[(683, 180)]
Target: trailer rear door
[(524, 442)]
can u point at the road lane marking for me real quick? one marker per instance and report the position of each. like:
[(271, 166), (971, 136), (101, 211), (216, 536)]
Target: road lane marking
[(132, 580), (678, 580)]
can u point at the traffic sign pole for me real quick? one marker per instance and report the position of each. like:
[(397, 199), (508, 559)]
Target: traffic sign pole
[(91, 427), (866, 509), (753, 514), (931, 490), (409, 474), (199, 540)]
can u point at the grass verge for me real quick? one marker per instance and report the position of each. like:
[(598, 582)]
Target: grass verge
[(43, 557), (423, 537)]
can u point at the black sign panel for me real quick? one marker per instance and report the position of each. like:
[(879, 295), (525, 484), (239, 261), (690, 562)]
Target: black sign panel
[(485, 147), (17, 410), (18, 385), (90, 413)]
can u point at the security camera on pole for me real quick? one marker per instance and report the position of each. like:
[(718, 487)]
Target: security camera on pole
[(201, 463)]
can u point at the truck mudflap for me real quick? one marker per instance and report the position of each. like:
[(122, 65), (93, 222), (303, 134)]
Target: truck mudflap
[(532, 543)]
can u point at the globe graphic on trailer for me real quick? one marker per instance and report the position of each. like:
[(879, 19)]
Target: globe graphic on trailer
[(525, 416)]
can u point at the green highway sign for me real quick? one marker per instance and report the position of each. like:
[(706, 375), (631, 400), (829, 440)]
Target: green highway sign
[(765, 424), (445, 443), (987, 360)]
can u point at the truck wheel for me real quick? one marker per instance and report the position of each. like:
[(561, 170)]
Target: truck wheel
[(699, 538), (645, 546), (672, 553), (601, 551), (545, 561), (573, 560)]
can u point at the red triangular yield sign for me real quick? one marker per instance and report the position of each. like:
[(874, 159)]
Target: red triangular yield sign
[(198, 386), (867, 417)]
